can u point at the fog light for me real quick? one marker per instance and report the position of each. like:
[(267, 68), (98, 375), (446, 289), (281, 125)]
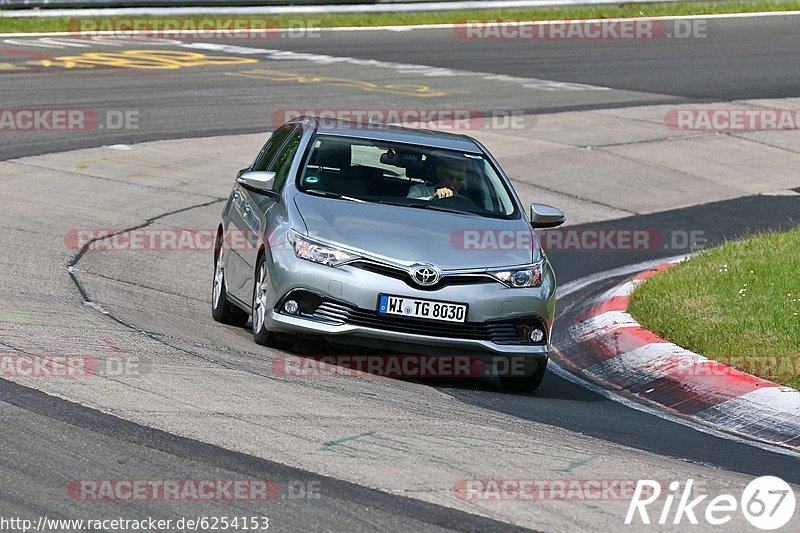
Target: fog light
[(290, 307), (536, 335)]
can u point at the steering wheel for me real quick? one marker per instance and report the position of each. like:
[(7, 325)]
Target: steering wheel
[(457, 201)]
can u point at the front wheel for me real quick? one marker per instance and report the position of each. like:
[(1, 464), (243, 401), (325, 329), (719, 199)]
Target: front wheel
[(261, 334), (526, 383)]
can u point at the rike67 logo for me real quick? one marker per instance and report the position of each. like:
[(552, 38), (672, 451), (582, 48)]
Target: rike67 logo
[(767, 503)]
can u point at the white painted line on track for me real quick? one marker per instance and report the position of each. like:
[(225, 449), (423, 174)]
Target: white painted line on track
[(406, 68), (578, 284), (574, 286)]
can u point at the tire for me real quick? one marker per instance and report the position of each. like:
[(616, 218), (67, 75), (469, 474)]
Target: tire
[(221, 309), (261, 334), (527, 383)]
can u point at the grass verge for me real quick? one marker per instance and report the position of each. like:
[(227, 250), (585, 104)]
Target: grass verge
[(48, 24), (738, 304)]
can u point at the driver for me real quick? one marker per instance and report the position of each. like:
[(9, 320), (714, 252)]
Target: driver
[(451, 175)]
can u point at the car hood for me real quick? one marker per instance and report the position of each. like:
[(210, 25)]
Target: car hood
[(449, 241)]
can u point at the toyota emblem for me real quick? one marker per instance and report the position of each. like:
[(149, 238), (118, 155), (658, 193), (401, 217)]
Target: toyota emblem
[(425, 275)]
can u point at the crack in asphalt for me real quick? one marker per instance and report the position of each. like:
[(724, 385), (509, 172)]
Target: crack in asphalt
[(757, 141), (139, 285), (88, 301)]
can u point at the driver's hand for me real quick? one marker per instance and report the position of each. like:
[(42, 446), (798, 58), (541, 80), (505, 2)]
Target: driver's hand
[(444, 192)]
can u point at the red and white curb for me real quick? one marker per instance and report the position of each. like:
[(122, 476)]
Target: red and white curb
[(610, 346)]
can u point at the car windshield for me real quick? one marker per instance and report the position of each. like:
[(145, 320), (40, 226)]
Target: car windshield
[(406, 175)]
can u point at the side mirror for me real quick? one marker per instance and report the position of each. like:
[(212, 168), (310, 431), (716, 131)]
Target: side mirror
[(546, 216), (257, 180)]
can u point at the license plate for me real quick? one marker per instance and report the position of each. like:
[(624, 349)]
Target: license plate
[(428, 309)]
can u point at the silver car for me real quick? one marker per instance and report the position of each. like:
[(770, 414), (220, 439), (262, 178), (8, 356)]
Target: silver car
[(388, 238)]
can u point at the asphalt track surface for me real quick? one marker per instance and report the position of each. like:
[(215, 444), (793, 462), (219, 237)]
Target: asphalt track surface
[(44, 437), (737, 59)]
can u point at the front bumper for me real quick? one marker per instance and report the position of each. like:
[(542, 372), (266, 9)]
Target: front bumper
[(298, 324), (359, 288)]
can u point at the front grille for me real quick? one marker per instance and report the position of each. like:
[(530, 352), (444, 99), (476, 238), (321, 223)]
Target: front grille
[(397, 273), (498, 332)]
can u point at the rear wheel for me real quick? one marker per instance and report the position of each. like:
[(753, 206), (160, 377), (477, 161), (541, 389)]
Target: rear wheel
[(261, 334), (526, 383), (221, 309)]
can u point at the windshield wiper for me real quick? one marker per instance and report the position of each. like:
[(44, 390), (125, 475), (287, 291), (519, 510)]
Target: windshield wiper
[(328, 194), (438, 208)]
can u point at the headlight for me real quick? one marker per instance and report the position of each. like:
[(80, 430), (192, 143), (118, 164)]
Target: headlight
[(319, 252), (520, 277)]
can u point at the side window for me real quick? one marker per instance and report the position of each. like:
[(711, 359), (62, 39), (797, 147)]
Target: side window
[(283, 163), (274, 144)]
